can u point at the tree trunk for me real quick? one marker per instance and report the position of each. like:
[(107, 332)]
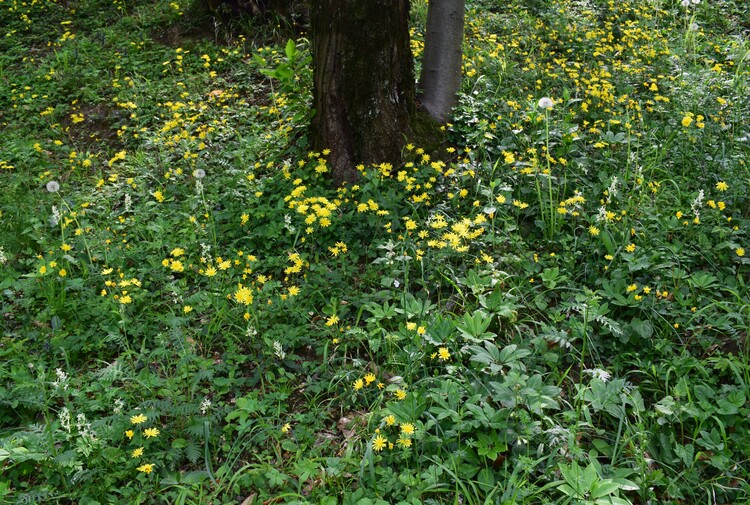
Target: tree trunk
[(363, 82), (441, 65)]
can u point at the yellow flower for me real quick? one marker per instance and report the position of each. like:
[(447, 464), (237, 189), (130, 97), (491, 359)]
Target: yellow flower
[(630, 247), (187, 309), (632, 287), (369, 378), (293, 290), (722, 186), (379, 443), (243, 295), (138, 419), (593, 230), (137, 453), (147, 468), (404, 442), (358, 384), (151, 432), (286, 428), (129, 434), (65, 247), (739, 251), (443, 354), (407, 429), (400, 394), (687, 121), (390, 420), (332, 320), (62, 272), (159, 196)]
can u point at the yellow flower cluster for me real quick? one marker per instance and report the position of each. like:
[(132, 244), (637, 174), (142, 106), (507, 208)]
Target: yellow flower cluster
[(404, 436), (147, 433)]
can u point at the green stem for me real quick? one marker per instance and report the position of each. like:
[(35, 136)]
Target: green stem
[(552, 226), (579, 405)]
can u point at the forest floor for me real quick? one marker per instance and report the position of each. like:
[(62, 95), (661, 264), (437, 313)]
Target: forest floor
[(191, 313)]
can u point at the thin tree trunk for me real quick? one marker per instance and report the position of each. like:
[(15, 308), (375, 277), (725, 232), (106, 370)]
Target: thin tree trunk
[(363, 82), (441, 66)]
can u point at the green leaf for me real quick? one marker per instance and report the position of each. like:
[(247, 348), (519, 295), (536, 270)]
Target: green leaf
[(643, 328), (567, 490), (290, 49), (604, 488), (589, 478)]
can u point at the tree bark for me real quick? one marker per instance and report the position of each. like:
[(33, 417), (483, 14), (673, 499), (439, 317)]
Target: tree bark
[(363, 75), (440, 79)]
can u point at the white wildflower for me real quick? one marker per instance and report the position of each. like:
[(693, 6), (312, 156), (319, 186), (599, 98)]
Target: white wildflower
[(81, 422), (598, 373), (53, 186), (65, 419), (55, 218), (205, 405), (288, 223), (62, 380), (612, 190), (206, 251), (278, 350), (697, 203)]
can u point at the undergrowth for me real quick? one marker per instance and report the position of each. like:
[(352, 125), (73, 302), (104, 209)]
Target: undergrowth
[(192, 313)]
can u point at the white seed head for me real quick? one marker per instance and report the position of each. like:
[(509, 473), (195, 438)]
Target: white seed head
[(546, 103)]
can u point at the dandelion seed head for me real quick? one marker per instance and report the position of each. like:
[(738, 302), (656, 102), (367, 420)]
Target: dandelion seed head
[(546, 103)]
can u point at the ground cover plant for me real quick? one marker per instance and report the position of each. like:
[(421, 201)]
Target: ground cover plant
[(552, 309)]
